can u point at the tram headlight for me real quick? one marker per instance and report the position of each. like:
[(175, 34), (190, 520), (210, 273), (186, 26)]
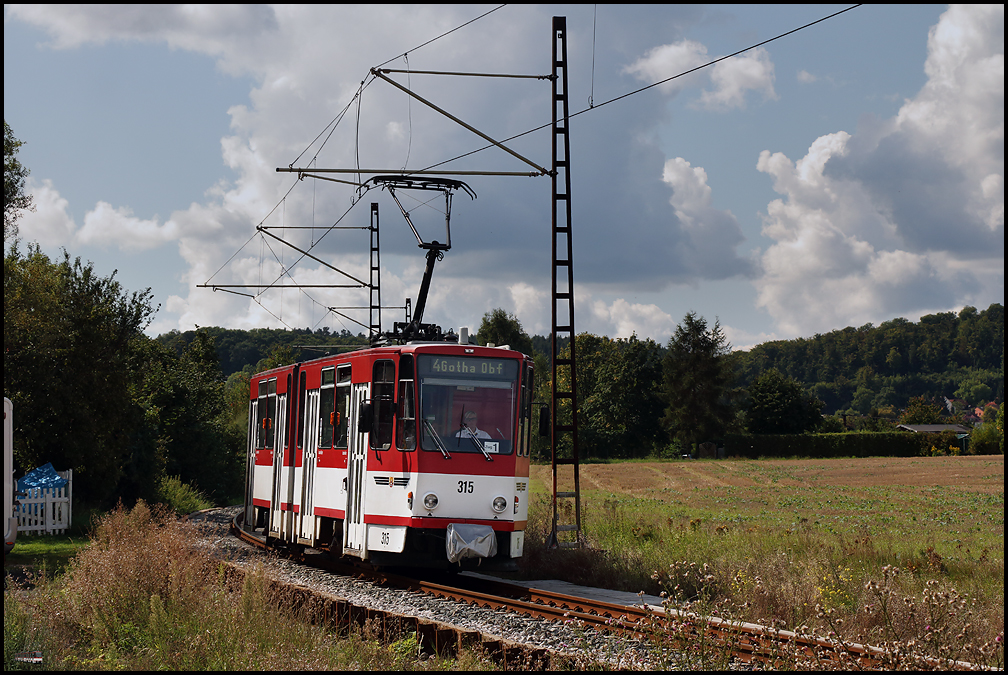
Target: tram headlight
[(499, 504), (430, 501)]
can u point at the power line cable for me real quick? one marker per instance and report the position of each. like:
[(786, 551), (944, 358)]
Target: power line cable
[(692, 70), (441, 36), (644, 89)]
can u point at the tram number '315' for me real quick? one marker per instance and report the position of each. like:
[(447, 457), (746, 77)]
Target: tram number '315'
[(465, 486), (385, 538)]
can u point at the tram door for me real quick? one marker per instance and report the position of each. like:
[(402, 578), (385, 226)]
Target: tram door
[(354, 530), (250, 467), (309, 428), (278, 435)]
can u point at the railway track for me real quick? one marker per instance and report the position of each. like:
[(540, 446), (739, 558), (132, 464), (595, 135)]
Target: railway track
[(745, 642)]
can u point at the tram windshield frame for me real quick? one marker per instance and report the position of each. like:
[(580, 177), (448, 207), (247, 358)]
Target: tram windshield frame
[(452, 388)]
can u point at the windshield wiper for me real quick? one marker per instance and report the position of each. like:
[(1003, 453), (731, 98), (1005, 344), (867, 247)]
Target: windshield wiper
[(437, 439), (478, 444)]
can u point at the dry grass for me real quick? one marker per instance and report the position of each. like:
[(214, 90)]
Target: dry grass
[(142, 597), (866, 549)]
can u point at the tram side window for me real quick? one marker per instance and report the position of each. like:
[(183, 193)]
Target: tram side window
[(271, 400), (302, 407), (383, 400), (406, 426), (342, 405), (327, 412), (262, 417)]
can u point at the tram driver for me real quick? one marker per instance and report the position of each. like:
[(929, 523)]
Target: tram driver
[(469, 420)]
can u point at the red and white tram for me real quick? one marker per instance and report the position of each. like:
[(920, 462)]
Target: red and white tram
[(415, 454)]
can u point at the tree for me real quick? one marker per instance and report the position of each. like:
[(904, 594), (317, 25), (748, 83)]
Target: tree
[(184, 397), (627, 395), (70, 337), (872, 367), (500, 328), (779, 405), (921, 410), (15, 173), (974, 392), (619, 396), (698, 381)]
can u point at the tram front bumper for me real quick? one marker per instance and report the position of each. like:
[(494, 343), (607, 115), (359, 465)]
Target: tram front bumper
[(470, 541)]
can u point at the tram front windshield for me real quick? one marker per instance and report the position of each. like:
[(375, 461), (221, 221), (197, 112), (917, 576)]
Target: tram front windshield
[(467, 404)]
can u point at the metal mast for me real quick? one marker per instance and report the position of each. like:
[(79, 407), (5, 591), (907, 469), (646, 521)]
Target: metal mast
[(374, 330), (564, 396)]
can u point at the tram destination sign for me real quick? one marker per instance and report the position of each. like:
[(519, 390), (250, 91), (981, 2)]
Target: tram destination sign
[(467, 367)]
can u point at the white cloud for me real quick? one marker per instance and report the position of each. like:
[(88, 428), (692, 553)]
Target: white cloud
[(621, 319), (210, 29), (666, 61), (394, 131), (906, 215), (106, 225), (731, 78), (743, 340), (805, 77), (531, 303), (50, 224), (708, 230)]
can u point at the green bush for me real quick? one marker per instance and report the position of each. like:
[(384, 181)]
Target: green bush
[(986, 440), (181, 497)]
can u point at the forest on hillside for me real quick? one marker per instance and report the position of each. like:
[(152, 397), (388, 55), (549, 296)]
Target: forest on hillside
[(857, 371)]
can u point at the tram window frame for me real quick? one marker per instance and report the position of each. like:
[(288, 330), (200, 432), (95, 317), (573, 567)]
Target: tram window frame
[(327, 408), (383, 385), (342, 426), (406, 427)]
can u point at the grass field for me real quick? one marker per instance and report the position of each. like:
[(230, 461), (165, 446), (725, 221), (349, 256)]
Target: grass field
[(952, 503), (50, 554), (781, 537), (906, 552)]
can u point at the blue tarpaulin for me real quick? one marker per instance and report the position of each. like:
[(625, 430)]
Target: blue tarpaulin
[(43, 477)]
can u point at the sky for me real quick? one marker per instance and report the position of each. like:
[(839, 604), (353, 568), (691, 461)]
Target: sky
[(849, 173)]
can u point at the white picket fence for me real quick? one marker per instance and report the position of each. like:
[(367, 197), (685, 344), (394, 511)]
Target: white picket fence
[(46, 510)]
